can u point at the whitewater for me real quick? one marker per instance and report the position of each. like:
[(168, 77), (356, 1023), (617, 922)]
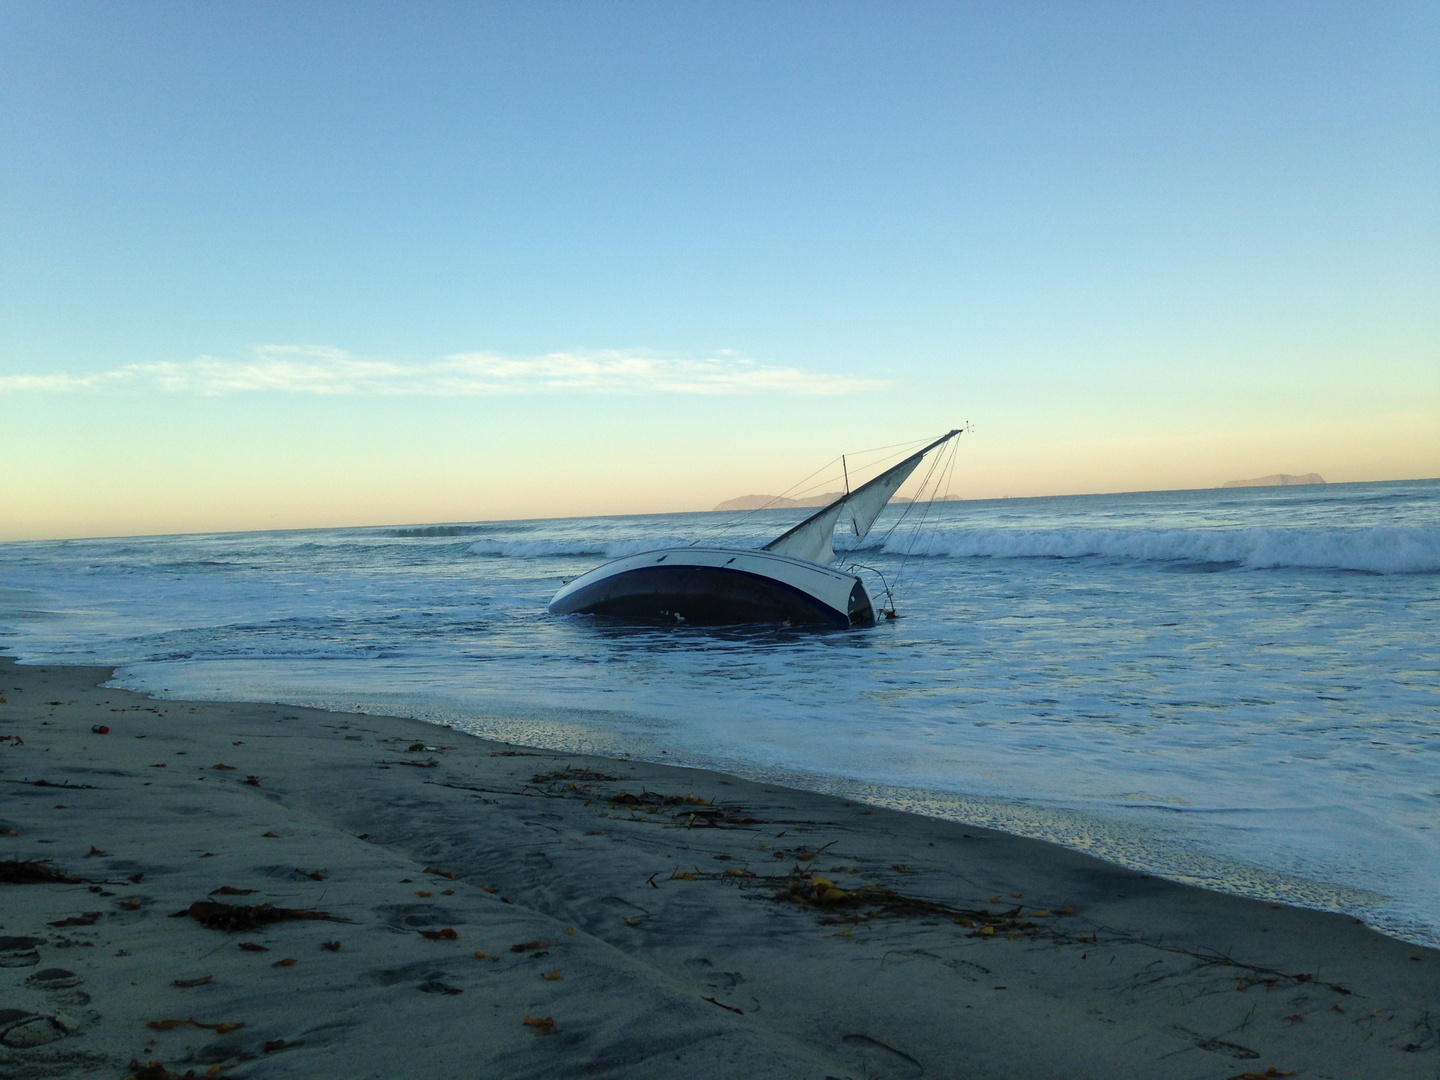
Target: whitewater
[(1238, 688)]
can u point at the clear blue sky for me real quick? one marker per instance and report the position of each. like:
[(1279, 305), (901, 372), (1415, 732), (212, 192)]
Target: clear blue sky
[(289, 264)]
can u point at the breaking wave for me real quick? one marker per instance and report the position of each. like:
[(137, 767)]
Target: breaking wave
[(1374, 549), (593, 547), (440, 530)]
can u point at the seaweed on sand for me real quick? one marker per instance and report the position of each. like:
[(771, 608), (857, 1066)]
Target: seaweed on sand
[(229, 917), (33, 872)]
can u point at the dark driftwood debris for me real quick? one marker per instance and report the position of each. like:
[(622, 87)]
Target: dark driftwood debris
[(46, 783), (33, 872), (217, 916)]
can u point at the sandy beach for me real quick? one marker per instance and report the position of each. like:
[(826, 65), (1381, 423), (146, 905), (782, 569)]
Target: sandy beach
[(261, 890)]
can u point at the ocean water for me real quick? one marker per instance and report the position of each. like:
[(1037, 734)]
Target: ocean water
[(1237, 688)]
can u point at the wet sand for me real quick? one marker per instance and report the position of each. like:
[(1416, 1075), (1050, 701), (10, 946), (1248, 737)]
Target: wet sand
[(647, 920)]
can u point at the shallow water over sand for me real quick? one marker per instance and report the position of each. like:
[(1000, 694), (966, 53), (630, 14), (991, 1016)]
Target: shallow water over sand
[(1239, 688)]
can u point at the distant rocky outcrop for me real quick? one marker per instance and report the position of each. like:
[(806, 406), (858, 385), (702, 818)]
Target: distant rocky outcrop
[(775, 502), (1277, 480)]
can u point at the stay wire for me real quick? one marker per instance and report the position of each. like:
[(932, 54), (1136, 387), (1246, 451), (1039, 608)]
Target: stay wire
[(944, 463), (946, 476), (799, 488), (734, 523), (885, 539), (935, 463)]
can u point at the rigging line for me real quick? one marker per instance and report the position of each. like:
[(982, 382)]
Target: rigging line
[(949, 477), (891, 446), (919, 492), (919, 497), (948, 470), (925, 513), (904, 515), (879, 464), (826, 516), (911, 504), (884, 584), (890, 590), (943, 462), (746, 515), (737, 522)]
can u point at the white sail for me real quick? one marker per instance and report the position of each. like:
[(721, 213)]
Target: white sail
[(865, 503), (813, 538)]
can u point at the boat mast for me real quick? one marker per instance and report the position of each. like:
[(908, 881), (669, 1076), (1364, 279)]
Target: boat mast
[(832, 510)]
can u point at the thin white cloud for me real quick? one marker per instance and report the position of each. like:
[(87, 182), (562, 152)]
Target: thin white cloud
[(45, 382), (314, 369)]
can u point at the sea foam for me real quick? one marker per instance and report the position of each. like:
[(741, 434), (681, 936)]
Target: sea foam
[(578, 546), (1373, 549)]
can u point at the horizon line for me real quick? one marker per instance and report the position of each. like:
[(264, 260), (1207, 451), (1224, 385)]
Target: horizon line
[(679, 513)]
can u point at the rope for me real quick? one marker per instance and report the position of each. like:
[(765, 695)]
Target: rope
[(946, 475), (798, 488), (945, 465)]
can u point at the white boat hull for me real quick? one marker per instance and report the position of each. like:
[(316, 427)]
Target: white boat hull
[(718, 586)]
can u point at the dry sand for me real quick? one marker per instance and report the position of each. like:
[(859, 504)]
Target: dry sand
[(640, 939)]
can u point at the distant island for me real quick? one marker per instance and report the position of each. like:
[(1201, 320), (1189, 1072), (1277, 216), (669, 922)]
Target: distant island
[(1278, 480), (775, 502)]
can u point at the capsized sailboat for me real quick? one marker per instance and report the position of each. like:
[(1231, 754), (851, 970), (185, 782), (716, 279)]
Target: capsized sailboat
[(789, 580)]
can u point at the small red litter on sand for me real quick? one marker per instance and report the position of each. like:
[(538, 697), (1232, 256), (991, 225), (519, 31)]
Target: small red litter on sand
[(289, 961), (100, 729), (446, 934), (250, 946)]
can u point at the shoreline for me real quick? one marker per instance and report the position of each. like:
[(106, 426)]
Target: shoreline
[(671, 920), (1146, 846)]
